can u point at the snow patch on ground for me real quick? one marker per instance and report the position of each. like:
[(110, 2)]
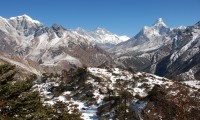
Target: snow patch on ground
[(193, 83), (103, 80)]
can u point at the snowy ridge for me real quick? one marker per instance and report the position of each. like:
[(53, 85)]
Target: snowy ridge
[(182, 27), (25, 17)]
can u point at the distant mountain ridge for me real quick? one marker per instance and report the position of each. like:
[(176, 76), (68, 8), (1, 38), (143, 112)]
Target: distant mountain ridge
[(101, 37)]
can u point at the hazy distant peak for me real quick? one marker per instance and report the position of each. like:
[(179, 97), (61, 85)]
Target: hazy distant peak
[(182, 27), (101, 31), (99, 28), (80, 30)]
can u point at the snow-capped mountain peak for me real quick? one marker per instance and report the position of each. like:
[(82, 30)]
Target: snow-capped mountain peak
[(81, 32), (25, 17), (158, 28), (149, 38), (103, 36), (159, 22), (24, 25)]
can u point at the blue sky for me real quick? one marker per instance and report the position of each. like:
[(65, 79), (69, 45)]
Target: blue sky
[(123, 17)]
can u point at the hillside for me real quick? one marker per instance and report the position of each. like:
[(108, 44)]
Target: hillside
[(113, 93)]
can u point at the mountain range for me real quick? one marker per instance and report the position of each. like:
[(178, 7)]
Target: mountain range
[(52, 47), (157, 49), (97, 74)]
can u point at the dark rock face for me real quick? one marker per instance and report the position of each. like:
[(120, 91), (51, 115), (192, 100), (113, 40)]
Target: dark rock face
[(41, 30), (58, 29), (161, 68)]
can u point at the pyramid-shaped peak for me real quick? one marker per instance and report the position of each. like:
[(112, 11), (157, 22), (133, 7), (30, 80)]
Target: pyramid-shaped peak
[(160, 22)]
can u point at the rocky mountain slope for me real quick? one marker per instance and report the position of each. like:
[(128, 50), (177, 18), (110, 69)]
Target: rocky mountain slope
[(173, 53), (102, 37), (158, 49), (54, 48)]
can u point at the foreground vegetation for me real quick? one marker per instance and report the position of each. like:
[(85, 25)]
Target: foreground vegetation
[(17, 101)]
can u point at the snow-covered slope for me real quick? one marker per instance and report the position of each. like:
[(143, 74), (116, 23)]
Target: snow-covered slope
[(98, 93), (101, 36)]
